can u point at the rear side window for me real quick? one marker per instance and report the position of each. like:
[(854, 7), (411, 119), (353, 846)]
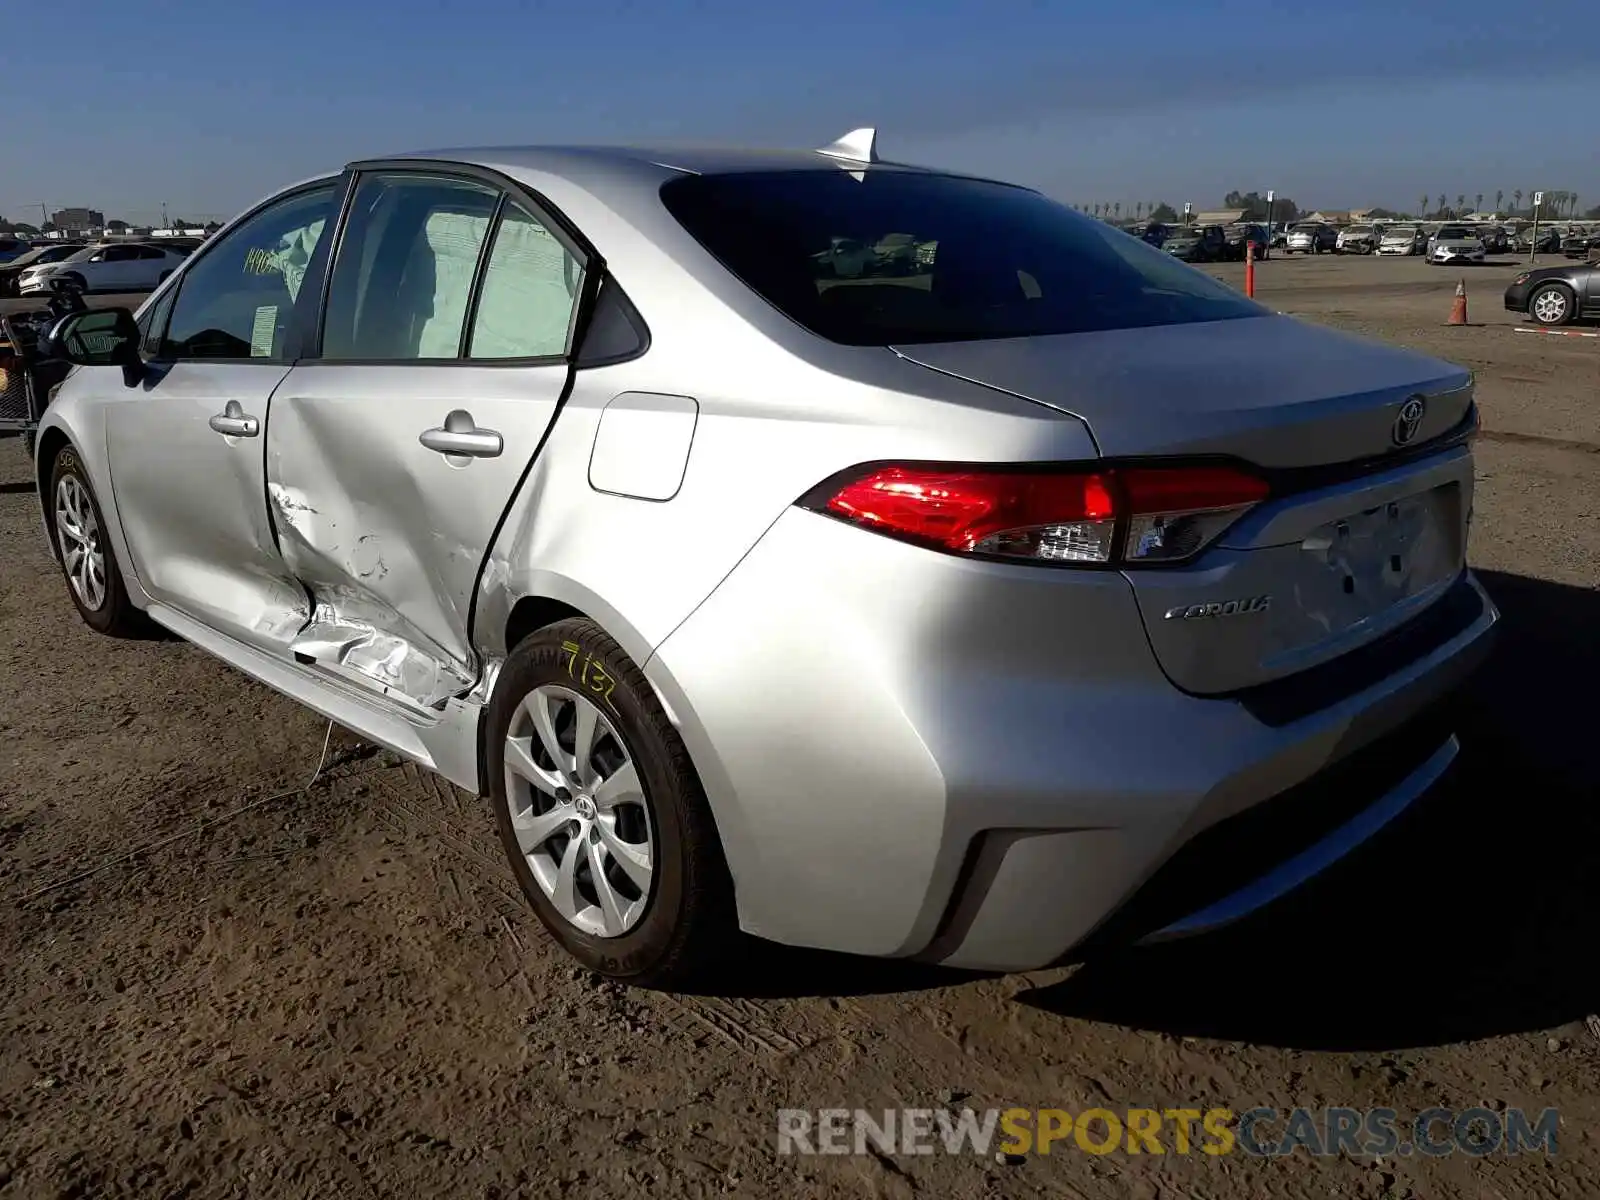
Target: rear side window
[(404, 271), (904, 257)]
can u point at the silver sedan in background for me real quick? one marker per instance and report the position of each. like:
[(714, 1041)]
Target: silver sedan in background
[(112, 267), (1403, 240), (989, 600), (1455, 244)]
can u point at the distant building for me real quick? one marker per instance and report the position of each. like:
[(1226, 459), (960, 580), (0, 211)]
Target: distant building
[(78, 218)]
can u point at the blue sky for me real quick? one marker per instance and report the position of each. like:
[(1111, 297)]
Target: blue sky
[(207, 107)]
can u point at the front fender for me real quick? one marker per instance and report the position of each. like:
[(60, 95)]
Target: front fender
[(77, 419)]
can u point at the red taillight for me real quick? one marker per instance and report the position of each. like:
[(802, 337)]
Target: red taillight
[(1132, 514)]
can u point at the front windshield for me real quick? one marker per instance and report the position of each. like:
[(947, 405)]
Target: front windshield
[(83, 255), (1359, 229), (1403, 231), (1456, 233)]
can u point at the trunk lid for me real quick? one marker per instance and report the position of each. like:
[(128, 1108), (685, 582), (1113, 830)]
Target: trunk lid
[(1272, 390), (1342, 554)]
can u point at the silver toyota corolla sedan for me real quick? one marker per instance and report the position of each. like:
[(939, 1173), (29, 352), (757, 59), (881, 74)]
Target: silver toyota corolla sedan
[(981, 604)]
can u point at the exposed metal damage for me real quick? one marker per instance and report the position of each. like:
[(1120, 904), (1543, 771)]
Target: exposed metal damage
[(353, 631)]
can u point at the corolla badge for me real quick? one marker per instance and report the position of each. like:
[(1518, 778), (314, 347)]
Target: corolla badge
[(1242, 607), (1408, 421)]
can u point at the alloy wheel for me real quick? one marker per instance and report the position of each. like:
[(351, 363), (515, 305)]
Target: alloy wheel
[(1550, 306), (81, 551), (579, 811)]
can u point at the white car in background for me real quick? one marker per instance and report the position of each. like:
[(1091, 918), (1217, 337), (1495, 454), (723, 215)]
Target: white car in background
[(110, 267), (1404, 240), (1358, 239), (1455, 244)]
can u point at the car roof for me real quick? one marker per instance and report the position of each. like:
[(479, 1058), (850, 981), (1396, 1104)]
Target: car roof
[(685, 159)]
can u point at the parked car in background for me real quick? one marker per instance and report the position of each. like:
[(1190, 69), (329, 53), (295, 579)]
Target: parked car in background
[(1548, 241), (1454, 244), (1357, 239), (108, 267), (1198, 243), (50, 252), (1556, 295), (1239, 236), (1576, 243), (12, 247), (1495, 240), (1312, 237), (1403, 240), (561, 475), (182, 245), (1156, 233)]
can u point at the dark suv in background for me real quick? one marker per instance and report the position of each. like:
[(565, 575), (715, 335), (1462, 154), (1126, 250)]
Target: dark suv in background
[(1239, 235)]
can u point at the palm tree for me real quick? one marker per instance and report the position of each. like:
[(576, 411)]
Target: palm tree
[(1516, 198), (1572, 204), (1499, 199), (1478, 207), (1422, 209), (1443, 200), (1097, 210), (1461, 205), (1117, 209)]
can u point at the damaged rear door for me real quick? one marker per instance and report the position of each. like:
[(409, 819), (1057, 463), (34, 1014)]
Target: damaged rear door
[(393, 452)]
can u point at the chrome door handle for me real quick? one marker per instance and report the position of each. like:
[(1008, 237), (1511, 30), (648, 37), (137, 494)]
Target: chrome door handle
[(232, 422), (460, 437)]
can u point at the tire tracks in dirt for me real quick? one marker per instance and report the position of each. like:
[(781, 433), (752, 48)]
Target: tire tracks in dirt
[(473, 879)]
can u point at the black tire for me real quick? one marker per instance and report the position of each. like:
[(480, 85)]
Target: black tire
[(77, 281), (1569, 308), (115, 616), (690, 922)]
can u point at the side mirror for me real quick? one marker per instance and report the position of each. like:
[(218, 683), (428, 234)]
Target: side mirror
[(101, 337)]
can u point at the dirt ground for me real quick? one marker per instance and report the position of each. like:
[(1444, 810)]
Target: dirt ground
[(336, 992)]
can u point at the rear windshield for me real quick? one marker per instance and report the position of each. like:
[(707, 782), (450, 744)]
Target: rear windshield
[(985, 260)]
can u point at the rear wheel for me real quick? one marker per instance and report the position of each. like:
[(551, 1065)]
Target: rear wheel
[(601, 813), (1552, 304), (93, 579)]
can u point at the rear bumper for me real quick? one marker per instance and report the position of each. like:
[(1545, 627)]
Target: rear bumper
[(1298, 866), (897, 770)]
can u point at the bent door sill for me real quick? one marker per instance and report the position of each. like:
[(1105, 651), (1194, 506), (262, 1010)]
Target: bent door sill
[(359, 711)]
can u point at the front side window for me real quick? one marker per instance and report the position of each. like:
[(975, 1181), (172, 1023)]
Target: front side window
[(530, 292), (830, 250), (236, 301), (403, 277)]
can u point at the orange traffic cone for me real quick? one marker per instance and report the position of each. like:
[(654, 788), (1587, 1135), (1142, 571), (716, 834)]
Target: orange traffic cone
[(1458, 310)]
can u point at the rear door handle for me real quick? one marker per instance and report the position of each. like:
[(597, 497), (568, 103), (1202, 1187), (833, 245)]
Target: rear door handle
[(460, 437), (232, 422)]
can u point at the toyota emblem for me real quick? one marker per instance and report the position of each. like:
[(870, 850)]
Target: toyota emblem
[(1408, 421)]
